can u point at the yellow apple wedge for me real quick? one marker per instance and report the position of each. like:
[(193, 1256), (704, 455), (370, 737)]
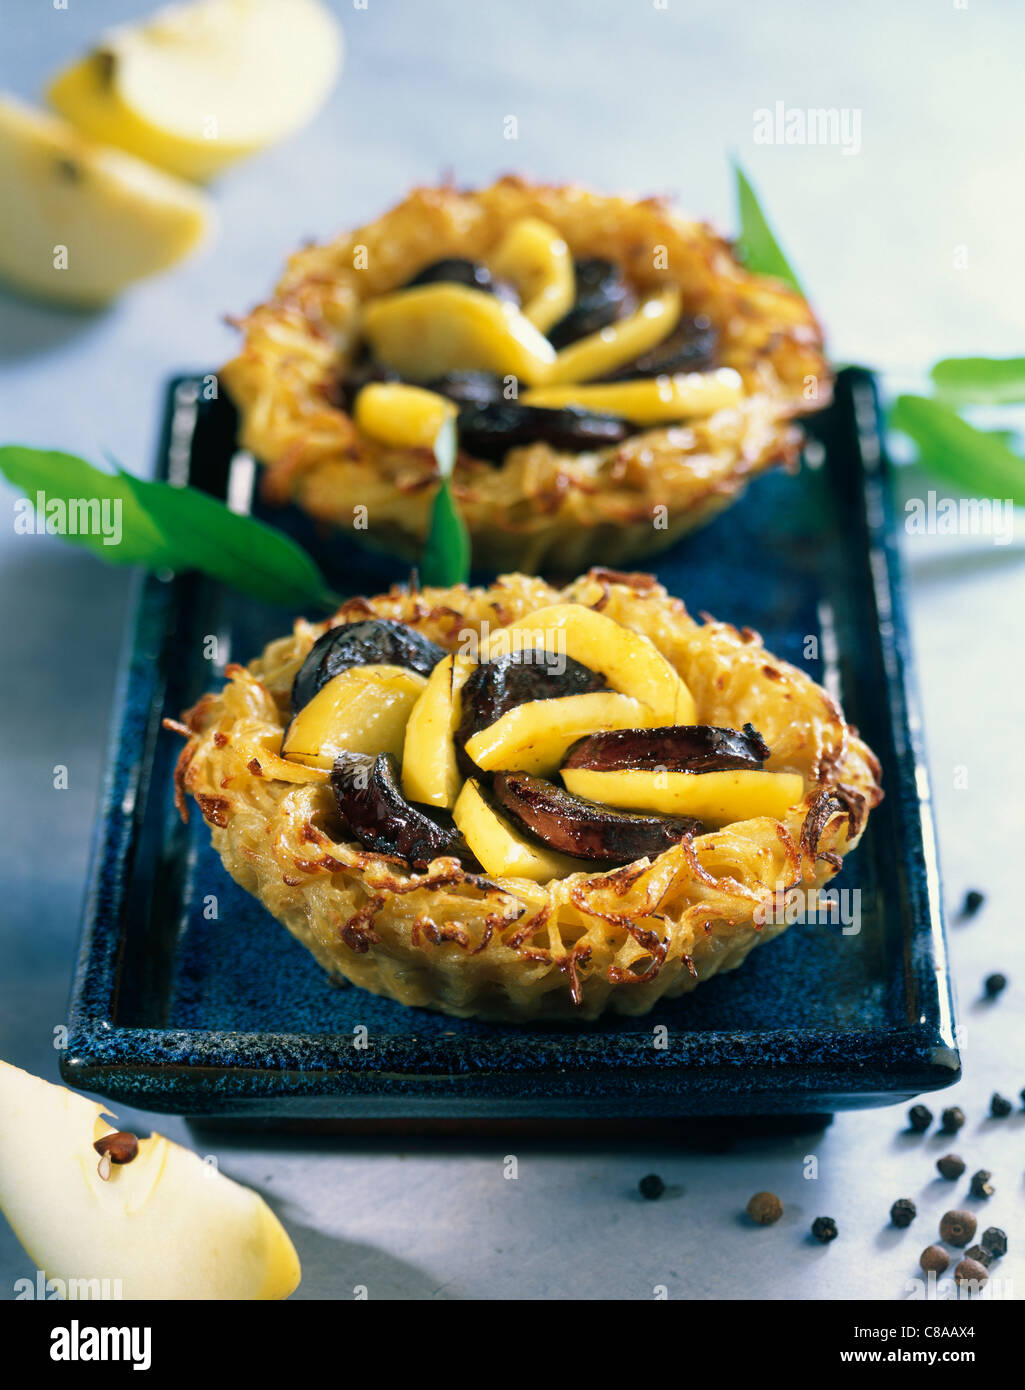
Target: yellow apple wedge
[(620, 343), (429, 330), (198, 86), (80, 222), (430, 773), (167, 1225), (534, 737), (719, 798), (407, 417), (629, 662), (361, 710), (538, 262), (659, 400), (501, 849)]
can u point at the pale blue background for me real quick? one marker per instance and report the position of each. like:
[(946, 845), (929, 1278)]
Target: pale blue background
[(622, 95)]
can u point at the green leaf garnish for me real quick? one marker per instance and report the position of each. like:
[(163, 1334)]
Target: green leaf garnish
[(981, 380), (446, 555), (756, 247), (165, 527), (975, 461)]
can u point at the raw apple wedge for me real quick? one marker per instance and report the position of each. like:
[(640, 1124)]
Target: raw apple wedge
[(501, 849), (629, 662), (717, 798), (80, 222), (200, 85), (166, 1224), (430, 773)]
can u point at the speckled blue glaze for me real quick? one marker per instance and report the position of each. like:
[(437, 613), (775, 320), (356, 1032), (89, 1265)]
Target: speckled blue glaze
[(173, 1011)]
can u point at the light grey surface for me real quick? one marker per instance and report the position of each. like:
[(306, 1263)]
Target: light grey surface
[(621, 95)]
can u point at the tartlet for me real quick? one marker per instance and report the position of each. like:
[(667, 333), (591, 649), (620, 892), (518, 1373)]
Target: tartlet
[(486, 899), (667, 374)]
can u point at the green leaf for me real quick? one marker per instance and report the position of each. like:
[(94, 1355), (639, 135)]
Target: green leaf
[(981, 380), (71, 482), (975, 461), (164, 527), (203, 534), (446, 555), (756, 247)]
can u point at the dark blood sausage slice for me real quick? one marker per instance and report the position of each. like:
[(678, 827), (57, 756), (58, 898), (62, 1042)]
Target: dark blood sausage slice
[(691, 347), (498, 686), (586, 829), (455, 270), (677, 748), (373, 642), (469, 388), (374, 810), (487, 431), (603, 296)]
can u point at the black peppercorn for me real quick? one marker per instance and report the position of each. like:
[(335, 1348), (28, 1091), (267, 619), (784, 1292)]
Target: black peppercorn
[(957, 1227), (981, 1185), (978, 1253), (999, 1106), (953, 1119), (995, 1241), (973, 900), (651, 1187), (919, 1118), (950, 1166), (903, 1212), (765, 1208), (823, 1228), (994, 984)]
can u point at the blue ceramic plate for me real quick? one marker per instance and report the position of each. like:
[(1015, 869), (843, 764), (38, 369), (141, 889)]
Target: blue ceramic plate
[(173, 1010)]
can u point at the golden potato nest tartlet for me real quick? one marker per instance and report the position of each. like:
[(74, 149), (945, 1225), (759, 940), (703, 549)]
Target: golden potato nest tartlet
[(537, 505), (475, 944)]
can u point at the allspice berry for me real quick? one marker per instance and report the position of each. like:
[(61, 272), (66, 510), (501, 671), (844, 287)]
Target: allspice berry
[(903, 1212), (979, 1253), (919, 1118), (957, 1227), (950, 1166), (952, 1119), (765, 1208), (971, 1272), (934, 1259)]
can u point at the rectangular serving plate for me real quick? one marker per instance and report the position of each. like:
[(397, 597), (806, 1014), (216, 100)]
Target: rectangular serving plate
[(189, 998)]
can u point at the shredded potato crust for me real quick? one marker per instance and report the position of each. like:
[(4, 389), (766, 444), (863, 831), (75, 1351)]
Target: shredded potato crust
[(539, 505), (508, 948)]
